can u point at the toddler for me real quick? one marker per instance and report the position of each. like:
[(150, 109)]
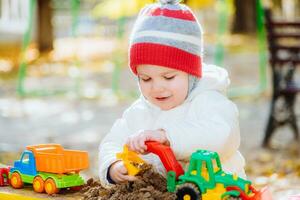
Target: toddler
[(182, 102)]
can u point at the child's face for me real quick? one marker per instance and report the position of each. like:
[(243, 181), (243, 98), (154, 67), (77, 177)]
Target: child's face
[(164, 87)]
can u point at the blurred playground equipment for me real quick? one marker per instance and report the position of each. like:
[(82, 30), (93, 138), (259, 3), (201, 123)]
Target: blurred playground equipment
[(13, 19), (261, 38), (21, 90), (284, 48)]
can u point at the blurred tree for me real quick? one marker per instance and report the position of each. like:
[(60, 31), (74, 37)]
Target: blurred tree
[(277, 3), (44, 26), (244, 17)]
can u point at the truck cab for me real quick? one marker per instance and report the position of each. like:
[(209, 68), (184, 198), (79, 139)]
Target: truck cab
[(26, 164), (204, 165)]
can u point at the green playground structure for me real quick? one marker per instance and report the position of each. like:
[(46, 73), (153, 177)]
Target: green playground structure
[(261, 38), (21, 90)]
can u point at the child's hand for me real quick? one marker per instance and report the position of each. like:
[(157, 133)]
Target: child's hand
[(137, 142), (118, 173)]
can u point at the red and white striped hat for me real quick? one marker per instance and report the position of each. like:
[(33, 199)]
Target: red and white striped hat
[(167, 34)]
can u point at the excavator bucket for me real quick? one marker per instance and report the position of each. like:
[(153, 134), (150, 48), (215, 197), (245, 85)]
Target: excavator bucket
[(263, 194), (131, 160)]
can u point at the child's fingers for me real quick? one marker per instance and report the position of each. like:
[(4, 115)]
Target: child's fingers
[(141, 143), (151, 135), (122, 169), (134, 145), (130, 144), (137, 142), (120, 179), (115, 176), (128, 178), (121, 175), (119, 172)]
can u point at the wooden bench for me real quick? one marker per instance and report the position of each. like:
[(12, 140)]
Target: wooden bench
[(284, 57)]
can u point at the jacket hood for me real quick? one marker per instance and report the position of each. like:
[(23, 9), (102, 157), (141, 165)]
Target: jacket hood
[(213, 78)]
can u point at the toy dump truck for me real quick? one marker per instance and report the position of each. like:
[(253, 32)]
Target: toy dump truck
[(49, 167), (204, 179)]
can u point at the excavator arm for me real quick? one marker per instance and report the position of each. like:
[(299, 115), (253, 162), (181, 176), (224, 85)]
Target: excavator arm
[(164, 152), (166, 156)]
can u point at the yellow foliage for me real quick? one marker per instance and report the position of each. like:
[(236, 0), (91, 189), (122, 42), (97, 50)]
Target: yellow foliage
[(200, 3), (115, 9)]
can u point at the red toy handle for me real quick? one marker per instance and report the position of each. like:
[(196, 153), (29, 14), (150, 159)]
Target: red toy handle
[(166, 156)]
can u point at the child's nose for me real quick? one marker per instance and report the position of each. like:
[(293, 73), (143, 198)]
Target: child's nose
[(157, 86)]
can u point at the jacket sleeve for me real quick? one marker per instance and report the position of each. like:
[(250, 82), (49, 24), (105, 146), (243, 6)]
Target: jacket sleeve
[(211, 123), (114, 141), (111, 145)]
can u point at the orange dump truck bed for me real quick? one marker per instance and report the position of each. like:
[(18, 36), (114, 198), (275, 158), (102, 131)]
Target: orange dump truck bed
[(53, 158)]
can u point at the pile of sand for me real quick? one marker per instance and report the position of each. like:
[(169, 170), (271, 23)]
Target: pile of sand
[(149, 186)]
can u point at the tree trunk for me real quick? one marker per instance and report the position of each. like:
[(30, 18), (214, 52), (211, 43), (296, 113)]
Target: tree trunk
[(45, 29), (245, 16)]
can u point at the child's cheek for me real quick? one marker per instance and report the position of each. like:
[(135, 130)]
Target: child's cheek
[(144, 90)]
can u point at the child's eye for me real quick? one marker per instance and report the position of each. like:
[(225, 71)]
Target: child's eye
[(145, 79), (169, 77)]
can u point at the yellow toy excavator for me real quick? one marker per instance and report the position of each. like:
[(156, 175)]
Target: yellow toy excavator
[(131, 160)]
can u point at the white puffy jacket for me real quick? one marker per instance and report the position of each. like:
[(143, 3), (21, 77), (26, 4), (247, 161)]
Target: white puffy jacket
[(206, 120)]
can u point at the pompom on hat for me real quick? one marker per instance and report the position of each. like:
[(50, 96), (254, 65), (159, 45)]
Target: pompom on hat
[(167, 34), (169, 1)]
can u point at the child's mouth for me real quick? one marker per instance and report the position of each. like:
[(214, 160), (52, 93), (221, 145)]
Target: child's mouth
[(161, 98)]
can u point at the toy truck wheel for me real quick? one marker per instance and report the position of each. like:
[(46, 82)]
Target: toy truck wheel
[(50, 186), (16, 180), (188, 191), (38, 184)]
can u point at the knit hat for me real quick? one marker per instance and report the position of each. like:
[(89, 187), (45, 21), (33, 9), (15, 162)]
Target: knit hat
[(167, 34)]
